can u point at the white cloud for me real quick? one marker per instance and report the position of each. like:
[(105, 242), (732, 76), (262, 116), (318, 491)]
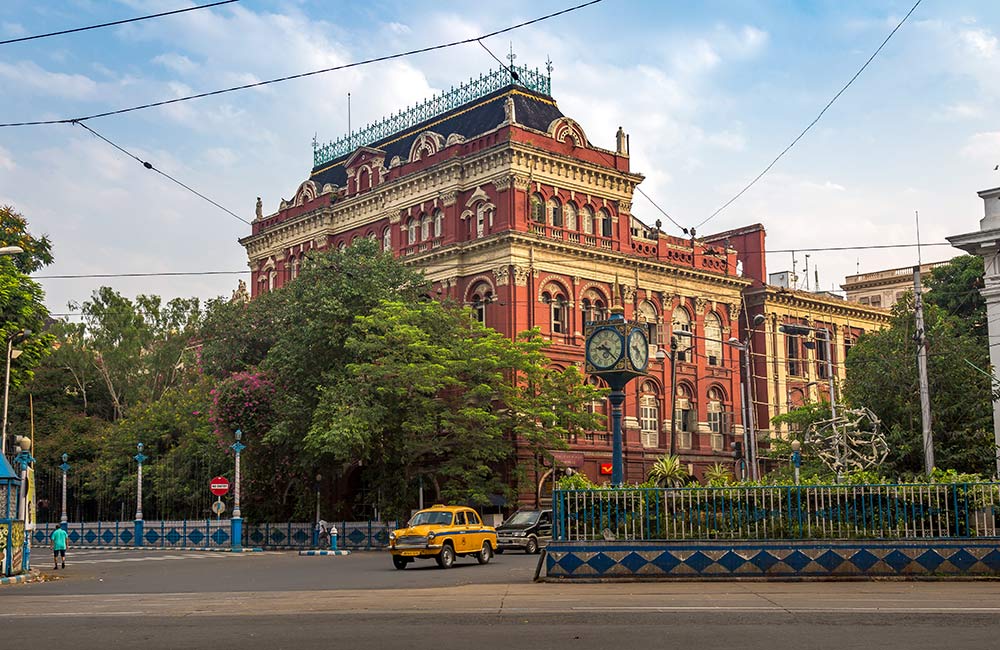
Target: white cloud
[(176, 62), (27, 75), (980, 42), (6, 160), (963, 111), (983, 146)]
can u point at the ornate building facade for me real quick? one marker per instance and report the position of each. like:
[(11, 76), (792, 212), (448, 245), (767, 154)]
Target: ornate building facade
[(509, 208)]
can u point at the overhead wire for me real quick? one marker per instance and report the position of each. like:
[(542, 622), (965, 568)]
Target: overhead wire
[(149, 166), (815, 120), (115, 22), (257, 84)]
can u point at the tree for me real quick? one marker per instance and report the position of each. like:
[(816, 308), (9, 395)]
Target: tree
[(435, 394), (137, 347), (882, 375), (955, 287), (14, 232)]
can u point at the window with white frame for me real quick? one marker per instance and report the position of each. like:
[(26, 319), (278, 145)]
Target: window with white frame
[(718, 421), (649, 415), (713, 339), (411, 231), (438, 223), (482, 295), (556, 300), (554, 208), (605, 218), (569, 214), (647, 315), (387, 239), (425, 227), (682, 323), (587, 219), (686, 416), (537, 208)]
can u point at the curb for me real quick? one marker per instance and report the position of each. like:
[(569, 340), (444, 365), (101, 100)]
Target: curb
[(324, 552), (159, 548), (20, 579)]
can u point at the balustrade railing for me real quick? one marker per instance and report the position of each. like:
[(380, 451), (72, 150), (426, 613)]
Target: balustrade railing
[(903, 511), (439, 104)]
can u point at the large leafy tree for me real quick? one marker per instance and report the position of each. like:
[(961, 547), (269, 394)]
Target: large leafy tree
[(433, 394), (882, 375), (956, 288)]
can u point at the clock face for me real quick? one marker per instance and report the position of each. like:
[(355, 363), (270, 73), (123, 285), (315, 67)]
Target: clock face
[(638, 348), (605, 348)]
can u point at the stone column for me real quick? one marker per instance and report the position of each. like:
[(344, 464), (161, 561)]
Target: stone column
[(986, 244)]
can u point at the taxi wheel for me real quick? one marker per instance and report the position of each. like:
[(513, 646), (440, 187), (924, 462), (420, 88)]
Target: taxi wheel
[(446, 558), (399, 562), (531, 547), (484, 556)]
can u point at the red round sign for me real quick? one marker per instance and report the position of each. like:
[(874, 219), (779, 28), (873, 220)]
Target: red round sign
[(219, 485)]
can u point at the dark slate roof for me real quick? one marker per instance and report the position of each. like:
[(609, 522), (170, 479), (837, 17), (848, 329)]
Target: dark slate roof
[(483, 114)]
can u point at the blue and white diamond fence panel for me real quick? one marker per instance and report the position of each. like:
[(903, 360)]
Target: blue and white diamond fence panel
[(212, 533)]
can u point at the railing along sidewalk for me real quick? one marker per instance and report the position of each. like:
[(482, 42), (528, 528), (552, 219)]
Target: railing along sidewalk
[(887, 511)]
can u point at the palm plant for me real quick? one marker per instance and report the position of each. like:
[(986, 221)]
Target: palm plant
[(718, 475), (668, 471)]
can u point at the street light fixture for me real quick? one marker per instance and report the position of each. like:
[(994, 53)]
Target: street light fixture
[(11, 354), (749, 433), (796, 458), (11, 250), (805, 330)]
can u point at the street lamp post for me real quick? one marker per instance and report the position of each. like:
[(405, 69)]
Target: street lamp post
[(11, 354), (798, 330), (749, 432), (140, 458), (236, 521), (796, 458), (63, 520), (319, 477)]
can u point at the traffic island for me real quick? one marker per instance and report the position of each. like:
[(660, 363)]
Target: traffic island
[(334, 553)]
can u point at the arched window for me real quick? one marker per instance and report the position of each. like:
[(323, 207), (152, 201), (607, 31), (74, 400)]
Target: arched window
[(556, 300), (713, 339), (718, 418), (649, 415), (295, 267), (554, 208), (686, 416), (481, 210), (364, 180), (272, 280), (592, 306), (342, 246), (537, 208), (605, 218), (682, 323), (587, 220), (569, 214), (647, 315), (411, 231), (438, 223), (481, 296), (387, 239), (425, 227)]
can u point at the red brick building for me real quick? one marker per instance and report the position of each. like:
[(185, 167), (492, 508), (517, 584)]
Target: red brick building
[(508, 207)]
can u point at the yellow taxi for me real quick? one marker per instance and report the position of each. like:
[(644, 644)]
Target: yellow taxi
[(443, 533)]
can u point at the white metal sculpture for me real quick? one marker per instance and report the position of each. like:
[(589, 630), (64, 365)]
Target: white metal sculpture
[(851, 442)]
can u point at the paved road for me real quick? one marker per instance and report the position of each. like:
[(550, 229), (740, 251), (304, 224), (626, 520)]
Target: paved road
[(281, 600)]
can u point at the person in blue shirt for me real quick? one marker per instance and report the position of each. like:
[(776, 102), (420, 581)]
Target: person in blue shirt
[(59, 538)]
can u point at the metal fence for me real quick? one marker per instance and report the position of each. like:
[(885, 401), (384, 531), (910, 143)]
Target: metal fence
[(214, 533), (911, 511)]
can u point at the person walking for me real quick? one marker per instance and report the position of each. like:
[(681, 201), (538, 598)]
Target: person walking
[(59, 538)]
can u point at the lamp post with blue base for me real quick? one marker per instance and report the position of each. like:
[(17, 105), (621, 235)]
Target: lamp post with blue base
[(63, 520), (236, 522), (139, 533)]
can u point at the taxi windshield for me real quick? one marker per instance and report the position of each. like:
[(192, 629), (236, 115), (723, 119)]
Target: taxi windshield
[(432, 518), (522, 518)]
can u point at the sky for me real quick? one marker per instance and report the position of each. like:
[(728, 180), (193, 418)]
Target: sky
[(709, 92)]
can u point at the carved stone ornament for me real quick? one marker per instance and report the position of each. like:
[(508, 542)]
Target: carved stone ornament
[(509, 112), (734, 312), (521, 275), (449, 198), (394, 217), (699, 305), (502, 184), (628, 293), (502, 275), (521, 182)]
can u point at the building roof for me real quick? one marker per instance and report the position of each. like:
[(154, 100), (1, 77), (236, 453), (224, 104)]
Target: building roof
[(476, 117)]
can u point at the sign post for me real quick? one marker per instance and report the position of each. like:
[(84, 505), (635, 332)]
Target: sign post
[(219, 486)]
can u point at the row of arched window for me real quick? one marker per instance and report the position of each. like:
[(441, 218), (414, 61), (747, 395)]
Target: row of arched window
[(420, 228), (718, 409), (553, 212)]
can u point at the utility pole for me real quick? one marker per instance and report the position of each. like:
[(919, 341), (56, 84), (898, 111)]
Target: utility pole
[(925, 397)]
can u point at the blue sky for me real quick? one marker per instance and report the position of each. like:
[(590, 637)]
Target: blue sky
[(710, 92)]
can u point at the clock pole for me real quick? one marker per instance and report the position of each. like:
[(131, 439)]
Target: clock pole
[(616, 398)]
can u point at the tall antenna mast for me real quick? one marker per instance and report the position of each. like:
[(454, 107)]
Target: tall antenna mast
[(349, 134), (916, 216)]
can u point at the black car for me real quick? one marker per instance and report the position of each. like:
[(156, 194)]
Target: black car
[(527, 530)]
